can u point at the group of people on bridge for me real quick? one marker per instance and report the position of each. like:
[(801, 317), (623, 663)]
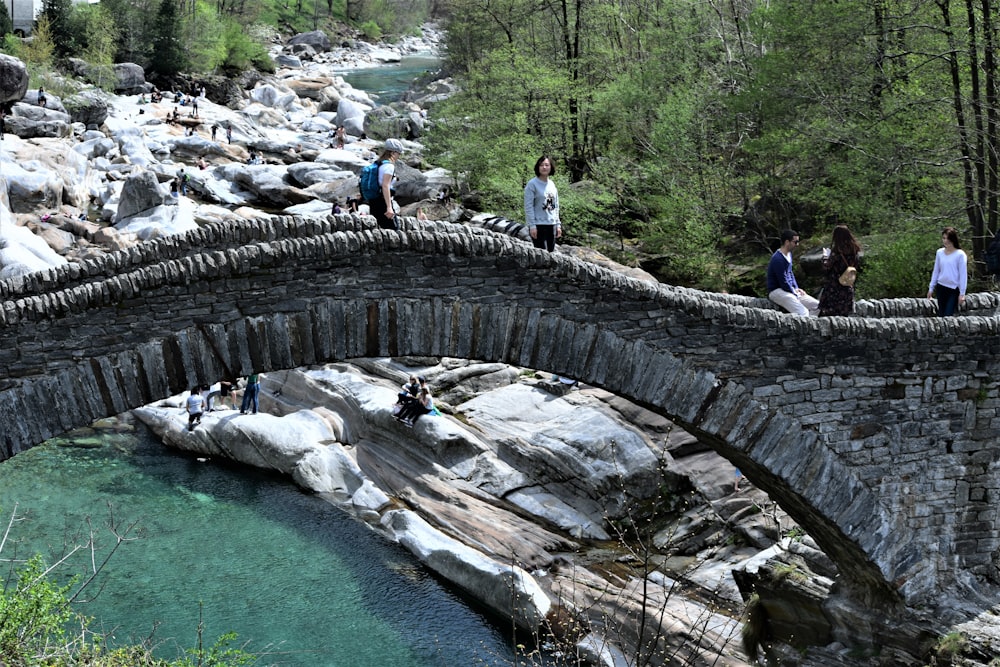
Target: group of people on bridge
[(840, 269)]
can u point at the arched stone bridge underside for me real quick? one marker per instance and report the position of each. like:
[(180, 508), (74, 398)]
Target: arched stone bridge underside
[(878, 434)]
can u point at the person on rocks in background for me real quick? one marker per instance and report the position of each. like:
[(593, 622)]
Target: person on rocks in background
[(381, 206), (414, 410), (338, 137), (541, 206), (195, 407), (42, 100), (837, 298), (782, 288), (215, 129), (251, 395), (951, 274), (229, 133), (408, 394), (228, 389), (210, 396)]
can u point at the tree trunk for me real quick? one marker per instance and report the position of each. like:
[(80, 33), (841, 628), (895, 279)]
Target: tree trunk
[(972, 167)]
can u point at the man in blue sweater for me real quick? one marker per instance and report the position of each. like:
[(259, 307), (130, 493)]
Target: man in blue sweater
[(781, 286)]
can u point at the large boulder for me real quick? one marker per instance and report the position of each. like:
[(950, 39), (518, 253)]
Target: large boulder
[(130, 79), (311, 173), (351, 115), (31, 186), (160, 221), (268, 184), (141, 192), (270, 96), (29, 121), (13, 79), (288, 62), (428, 95), (303, 51), (89, 107), (505, 588), (317, 39), (309, 87), (22, 252), (385, 122)]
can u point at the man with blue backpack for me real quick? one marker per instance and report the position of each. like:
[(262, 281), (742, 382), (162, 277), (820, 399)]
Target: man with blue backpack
[(376, 184)]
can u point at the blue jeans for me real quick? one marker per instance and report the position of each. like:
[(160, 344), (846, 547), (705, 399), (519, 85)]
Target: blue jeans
[(947, 298), (250, 398)]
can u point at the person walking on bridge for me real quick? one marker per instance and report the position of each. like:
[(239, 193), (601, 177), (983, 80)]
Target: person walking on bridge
[(541, 206), (782, 288), (951, 274), (380, 203)]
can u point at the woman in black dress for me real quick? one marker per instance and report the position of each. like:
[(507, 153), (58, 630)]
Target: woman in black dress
[(838, 299)]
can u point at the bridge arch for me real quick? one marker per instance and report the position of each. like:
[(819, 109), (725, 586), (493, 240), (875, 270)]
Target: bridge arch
[(877, 434)]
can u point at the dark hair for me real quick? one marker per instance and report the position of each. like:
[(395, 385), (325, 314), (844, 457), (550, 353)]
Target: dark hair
[(844, 242), (552, 165), (788, 235), (952, 235)]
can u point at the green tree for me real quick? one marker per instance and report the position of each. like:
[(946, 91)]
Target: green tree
[(616, 93), (96, 33), (57, 13), (6, 24), (135, 30), (168, 55), (202, 33), (38, 52)]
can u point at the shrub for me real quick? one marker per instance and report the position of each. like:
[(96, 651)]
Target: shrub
[(898, 264), (371, 30)]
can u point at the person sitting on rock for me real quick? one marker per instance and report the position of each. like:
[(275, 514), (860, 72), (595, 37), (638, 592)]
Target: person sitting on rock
[(415, 410), (424, 404), (42, 100), (408, 394)]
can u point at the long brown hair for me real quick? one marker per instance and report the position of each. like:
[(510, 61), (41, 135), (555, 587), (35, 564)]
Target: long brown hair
[(952, 235), (844, 242)]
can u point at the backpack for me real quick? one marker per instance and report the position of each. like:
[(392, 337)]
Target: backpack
[(369, 181)]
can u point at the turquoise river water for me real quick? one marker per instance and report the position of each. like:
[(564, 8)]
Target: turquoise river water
[(243, 550), (387, 83)]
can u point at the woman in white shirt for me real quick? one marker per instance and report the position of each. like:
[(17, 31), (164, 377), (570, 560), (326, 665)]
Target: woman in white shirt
[(951, 274)]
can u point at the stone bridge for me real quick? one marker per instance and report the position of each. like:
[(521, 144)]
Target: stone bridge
[(878, 434)]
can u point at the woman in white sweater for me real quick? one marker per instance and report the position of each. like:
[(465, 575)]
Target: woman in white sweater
[(951, 274)]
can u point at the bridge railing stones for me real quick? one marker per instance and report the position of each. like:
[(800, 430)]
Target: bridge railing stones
[(877, 432)]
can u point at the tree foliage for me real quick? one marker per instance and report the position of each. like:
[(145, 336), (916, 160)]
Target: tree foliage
[(57, 13), (39, 627), (689, 125), (169, 56)]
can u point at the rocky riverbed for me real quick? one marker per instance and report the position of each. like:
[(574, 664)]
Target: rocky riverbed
[(558, 505)]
